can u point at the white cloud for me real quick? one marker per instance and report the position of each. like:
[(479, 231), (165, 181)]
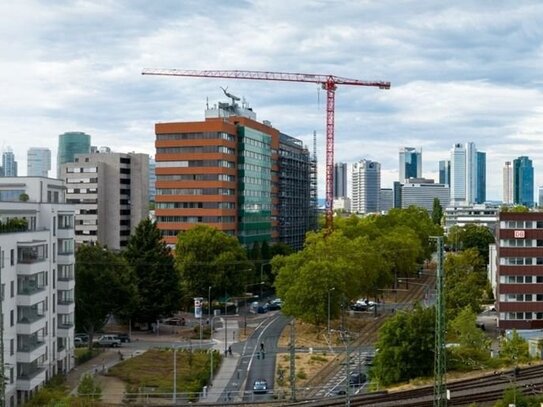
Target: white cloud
[(467, 71)]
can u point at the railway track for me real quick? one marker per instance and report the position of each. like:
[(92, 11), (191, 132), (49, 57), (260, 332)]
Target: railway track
[(486, 388)]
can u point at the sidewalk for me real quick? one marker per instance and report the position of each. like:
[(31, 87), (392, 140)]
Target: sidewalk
[(229, 365)]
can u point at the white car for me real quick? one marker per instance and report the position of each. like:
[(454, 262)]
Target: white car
[(109, 341)]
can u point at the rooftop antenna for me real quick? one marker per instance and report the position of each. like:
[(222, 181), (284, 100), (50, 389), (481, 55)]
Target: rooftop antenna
[(229, 95)]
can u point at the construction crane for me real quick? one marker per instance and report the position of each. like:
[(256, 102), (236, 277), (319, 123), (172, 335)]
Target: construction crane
[(328, 83)]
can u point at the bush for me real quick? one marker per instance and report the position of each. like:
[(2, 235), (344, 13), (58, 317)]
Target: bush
[(83, 355), (302, 375)]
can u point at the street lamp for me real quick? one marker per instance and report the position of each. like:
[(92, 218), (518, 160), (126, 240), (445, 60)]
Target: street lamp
[(329, 291), (246, 310)]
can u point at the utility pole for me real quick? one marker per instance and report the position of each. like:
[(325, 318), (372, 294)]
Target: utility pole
[(292, 349), (440, 392)]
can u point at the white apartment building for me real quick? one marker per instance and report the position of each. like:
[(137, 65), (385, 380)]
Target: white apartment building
[(483, 214), (110, 192), (37, 285)]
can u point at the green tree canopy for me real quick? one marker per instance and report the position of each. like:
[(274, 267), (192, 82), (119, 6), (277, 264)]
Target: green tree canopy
[(207, 257), (514, 348), (471, 236), (350, 267), (437, 212), (465, 281), (104, 286), (157, 279), (406, 347)]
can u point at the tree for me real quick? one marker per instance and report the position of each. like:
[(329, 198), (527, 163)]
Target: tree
[(477, 236), (465, 281), (24, 197), (280, 249), (207, 257), (89, 388), (266, 251), (351, 267), (437, 212), (406, 346), (157, 279), (515, 348), (474, 346), (105, 285)]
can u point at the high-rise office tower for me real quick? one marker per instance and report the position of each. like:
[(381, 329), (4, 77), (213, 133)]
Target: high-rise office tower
[(481, 178), (540, 196), (38, 162), (410, 163), (445, 172), (507, 183), (463, 182), (70, 144), (523, 182), (366, 183), (110, 193), (340, 180), (9, 164), (234, 173)]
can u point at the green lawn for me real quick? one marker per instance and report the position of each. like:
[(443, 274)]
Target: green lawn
[(154, 368)]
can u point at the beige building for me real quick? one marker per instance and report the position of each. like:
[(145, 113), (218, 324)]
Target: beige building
[(110, 192)]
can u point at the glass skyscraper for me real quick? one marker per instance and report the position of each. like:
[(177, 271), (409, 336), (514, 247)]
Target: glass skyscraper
[(9, 164), (480, 196), (70, 144), (38, 162), (523, 182), (340, 180), (445, 172), (410, 163)]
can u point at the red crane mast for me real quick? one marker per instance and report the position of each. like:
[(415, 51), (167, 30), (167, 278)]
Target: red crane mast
[(328, 83)]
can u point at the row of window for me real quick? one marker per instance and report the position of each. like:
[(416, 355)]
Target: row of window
[(255, 194), (169, 232), (521, 316), (81, 180), (521, 224), (195, 150), (74, 170), (196, 136), (521, 261), (264, 158), (521, 279), (255, 181), (196, 177), (195, 205), (521, 243), (195, 191), (195, 163), (196, 219), (256, 168), (521, 297), (82, 190), (257, 143)]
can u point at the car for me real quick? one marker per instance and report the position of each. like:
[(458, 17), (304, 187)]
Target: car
[(83, 337), (109, 341), (359, 307), (260, 386), (357, 378), (274, 305), (124, 338), (78, 342)]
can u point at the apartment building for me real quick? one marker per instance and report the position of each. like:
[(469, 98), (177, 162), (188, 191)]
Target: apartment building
[(37, 284), (234, 173), (519, 261), (110, 192)]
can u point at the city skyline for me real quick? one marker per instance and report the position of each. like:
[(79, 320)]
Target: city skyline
[(459, 73)]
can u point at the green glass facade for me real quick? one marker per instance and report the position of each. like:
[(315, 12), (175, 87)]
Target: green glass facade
[(254, 186), (70, 144)]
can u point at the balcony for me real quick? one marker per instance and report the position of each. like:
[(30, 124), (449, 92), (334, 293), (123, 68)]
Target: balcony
[(28, 323), (31, 252), (29, 376), (30, 351), (31, 297), (66, 285)]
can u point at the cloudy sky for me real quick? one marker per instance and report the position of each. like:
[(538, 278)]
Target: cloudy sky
[(460, 71)]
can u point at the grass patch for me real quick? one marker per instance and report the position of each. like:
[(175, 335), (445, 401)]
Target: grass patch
[(319, 358), (154, 369)]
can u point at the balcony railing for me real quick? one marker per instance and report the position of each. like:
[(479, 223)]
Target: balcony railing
[(30, 318), (30, 374), (30, 289), (29, 346)]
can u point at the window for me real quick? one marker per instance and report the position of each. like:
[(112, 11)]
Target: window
[(12, 288), (12, 347), (11, 318)]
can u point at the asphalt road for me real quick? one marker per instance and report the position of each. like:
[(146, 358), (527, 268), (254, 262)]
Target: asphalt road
[(252, 364)]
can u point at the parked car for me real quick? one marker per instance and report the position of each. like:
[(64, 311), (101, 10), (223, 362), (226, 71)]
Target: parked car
[(124, 338), (275, 304), (109, 341), (357, 378), (78, 342), (260, 386)]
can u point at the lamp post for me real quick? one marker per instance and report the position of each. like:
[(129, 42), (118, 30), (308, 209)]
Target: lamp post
[(329, 291), (175, 376), (209, 305)]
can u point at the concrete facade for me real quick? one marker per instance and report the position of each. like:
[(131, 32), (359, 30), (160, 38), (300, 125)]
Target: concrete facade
[(111, 194)]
